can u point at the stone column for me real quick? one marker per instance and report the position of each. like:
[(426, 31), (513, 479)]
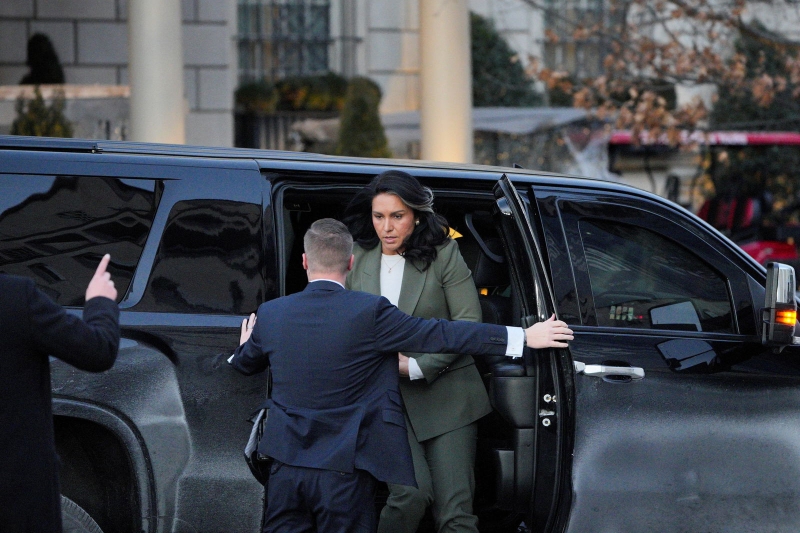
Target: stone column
[(446, 81), (155, 71)]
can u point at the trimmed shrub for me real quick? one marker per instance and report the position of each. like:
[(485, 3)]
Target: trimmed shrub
[(36, 118), (498, 78), (361, 132)]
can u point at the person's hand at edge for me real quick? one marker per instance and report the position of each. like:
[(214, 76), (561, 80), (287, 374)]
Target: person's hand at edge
[(551, 333), (101, 283), (403, 364), (247, 328)]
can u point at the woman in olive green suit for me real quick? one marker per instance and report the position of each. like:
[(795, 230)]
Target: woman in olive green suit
[(403, 252)]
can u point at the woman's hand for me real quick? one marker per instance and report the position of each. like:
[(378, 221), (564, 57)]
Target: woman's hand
[(403, 364), (551, 333)]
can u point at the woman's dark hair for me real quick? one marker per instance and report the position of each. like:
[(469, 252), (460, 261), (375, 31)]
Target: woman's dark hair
[(431, 231)]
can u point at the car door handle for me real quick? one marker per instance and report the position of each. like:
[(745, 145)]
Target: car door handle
[(601, 371)]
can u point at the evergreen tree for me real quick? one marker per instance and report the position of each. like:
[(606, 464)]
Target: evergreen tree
[(498, 78), (361, 133)]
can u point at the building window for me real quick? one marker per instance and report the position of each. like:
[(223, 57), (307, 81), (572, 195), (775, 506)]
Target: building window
[(280, 38), (564, 49)]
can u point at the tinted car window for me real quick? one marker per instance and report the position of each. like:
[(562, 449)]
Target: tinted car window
[(55, 229), (640, 279), (208, 260)]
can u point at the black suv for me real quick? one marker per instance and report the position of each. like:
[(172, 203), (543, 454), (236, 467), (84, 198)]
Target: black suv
[(676, 407)]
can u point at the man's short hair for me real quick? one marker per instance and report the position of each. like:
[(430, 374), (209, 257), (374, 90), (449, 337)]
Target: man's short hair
[(328, 246)]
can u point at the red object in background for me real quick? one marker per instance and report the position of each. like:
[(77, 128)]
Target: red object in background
[(731, 214), (716, 138), (763, 251), (737, 217)]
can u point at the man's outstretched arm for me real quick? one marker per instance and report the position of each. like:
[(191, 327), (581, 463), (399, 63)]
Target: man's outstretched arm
[(397, 331)]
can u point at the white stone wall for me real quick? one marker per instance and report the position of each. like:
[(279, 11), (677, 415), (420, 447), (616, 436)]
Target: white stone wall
[(391, 40), (780, 17), (91, 39), (210, 65), (392, 50)]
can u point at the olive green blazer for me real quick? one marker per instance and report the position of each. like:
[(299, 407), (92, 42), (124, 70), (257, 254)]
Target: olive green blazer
[(452, 394)]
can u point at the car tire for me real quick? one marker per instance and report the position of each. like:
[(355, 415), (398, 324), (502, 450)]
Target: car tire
[(75, 520)]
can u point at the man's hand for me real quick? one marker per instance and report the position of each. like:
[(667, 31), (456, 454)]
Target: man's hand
[(403, 364), (247, 328), (101, 284), (551, 333)]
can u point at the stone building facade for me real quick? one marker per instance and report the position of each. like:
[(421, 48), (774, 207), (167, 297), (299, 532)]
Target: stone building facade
[(374, 38), (90, 37)]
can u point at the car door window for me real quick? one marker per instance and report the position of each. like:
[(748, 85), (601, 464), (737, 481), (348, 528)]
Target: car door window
[(640, 279), (208, 260), (55, 229)]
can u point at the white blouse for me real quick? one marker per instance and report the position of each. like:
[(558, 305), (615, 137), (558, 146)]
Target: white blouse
[(392, 267)]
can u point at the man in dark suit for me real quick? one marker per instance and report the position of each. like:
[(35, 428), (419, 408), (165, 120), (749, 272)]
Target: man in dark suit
[(336, 420), (32, 327)]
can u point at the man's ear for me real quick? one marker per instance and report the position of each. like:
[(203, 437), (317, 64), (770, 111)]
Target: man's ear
[(305, 262), (350, 263)]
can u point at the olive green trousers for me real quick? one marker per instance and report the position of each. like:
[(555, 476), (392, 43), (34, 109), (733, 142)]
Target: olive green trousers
[(444, 468)]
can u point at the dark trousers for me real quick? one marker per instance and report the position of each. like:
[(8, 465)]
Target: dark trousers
[(301, 500)]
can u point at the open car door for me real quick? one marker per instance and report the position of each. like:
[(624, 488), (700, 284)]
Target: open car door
[(530, 396)]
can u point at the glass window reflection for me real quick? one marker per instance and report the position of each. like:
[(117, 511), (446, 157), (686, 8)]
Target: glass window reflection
[(640, 279), (55, 229), (208, 260)]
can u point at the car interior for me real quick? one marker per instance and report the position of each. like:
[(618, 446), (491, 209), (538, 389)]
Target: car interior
[(470, 218)]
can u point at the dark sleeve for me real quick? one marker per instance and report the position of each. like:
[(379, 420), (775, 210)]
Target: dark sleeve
[(396, 331), (249, 358), (89, 344)]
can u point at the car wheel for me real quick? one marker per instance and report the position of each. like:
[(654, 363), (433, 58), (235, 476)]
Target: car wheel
[(75, 520)]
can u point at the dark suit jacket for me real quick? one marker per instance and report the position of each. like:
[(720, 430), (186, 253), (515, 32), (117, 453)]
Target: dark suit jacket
[(32, 327), (333, 356)]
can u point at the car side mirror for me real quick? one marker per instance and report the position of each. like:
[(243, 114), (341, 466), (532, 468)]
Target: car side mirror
[(780, 308)]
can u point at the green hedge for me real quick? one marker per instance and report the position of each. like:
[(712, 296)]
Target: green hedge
[(300, 93)]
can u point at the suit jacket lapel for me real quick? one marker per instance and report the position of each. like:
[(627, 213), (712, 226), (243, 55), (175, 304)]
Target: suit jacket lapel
[(413, 280), (413, 283), (371, 271)]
